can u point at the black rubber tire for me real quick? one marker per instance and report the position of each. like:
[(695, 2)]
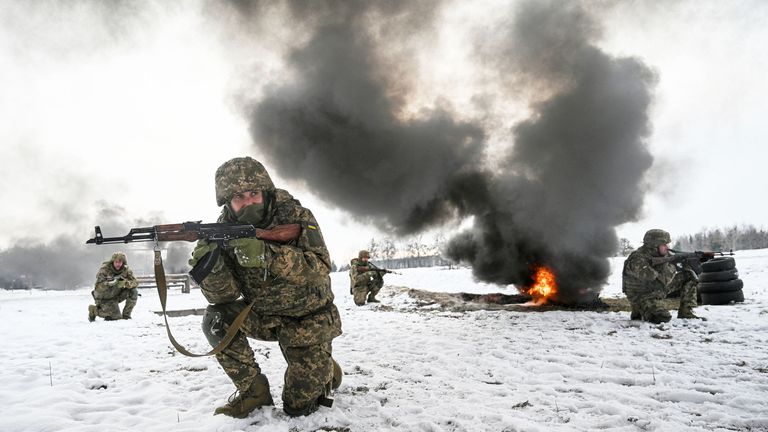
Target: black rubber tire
[(722, 298), (719, 276), (721, 287), (719, 264)]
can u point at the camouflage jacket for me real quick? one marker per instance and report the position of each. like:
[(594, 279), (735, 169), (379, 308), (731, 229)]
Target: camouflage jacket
[(296, 282), (109, 281), (360, 273), (639, 276)]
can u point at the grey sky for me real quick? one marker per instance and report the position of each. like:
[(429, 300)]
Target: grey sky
[(137, 108)]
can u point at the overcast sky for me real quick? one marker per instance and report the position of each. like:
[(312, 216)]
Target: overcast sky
[(135, 106)]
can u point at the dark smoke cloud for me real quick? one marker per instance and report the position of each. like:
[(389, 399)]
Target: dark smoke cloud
[(67, 262), (577, 165), (337, 126), (573, 173)]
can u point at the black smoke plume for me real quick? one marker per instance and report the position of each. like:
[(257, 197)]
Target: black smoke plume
[(574, 171), (576, 168), (338, 126)]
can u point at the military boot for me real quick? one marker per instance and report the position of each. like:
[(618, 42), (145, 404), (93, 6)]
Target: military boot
[(304, 411), (91, 313), (659, 317), (687, 313), (372, 298), (128, 308), (635, 315), (256, 396)]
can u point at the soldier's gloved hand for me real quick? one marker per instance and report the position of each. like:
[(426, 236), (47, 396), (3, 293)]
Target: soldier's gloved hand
[(202, 249), (250, 252), (121, 283)]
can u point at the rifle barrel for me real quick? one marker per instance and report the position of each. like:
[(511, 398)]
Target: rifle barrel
[(143, 234), (126, 239)]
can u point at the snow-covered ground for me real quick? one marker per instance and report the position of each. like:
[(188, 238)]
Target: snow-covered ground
[(406, 368)]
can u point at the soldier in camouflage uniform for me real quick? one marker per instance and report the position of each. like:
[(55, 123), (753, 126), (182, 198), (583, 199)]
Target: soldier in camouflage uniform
[(289, 286), (115, 283), (364, 281), (645, 284)]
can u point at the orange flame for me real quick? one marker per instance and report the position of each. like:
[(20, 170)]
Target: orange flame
[(544, 285)]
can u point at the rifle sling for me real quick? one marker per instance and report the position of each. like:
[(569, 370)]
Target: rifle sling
[(162, 292)]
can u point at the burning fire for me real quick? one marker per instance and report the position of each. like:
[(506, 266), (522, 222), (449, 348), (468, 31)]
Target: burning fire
[(544, 285)]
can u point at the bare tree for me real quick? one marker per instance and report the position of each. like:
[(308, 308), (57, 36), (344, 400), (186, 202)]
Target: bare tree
[(437, 246), (625, 247), (388, 249), (733, 238), (373, 248)]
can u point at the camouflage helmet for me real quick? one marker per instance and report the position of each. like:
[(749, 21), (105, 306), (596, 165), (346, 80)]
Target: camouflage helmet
[(119, 256), (656, 237), (240, 175), (363, 254)]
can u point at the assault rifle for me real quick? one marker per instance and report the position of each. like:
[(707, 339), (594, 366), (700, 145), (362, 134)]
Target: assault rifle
[(193, 231), (691, 260), (384, 271), (381, 271)]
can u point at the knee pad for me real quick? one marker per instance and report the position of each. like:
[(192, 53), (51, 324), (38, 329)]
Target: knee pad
[(214, 324), (133, 294)]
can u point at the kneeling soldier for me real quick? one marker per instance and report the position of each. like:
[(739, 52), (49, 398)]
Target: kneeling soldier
[(646, 285), (115, 283), (365, 279), (288, 286)]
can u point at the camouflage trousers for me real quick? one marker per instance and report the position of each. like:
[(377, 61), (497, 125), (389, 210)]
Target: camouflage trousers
[(366, 288), (648, 303), (109, 308), (310, 366)]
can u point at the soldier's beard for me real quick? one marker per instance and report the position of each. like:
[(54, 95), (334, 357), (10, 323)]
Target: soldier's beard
[(251, 214)]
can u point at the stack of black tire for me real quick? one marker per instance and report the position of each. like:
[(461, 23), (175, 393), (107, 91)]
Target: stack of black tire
[(719, 283)]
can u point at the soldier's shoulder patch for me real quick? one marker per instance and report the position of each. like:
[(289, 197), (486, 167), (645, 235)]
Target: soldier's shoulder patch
[(313, 235)]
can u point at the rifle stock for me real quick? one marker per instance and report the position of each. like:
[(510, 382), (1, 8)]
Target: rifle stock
[(280, 233)]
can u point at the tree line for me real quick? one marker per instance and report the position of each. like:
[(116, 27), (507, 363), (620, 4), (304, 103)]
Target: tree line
[(408, 253), (716, 239)]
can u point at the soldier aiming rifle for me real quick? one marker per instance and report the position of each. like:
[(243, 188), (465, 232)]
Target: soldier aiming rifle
[(264, 269), (365, 279), (651, 272)]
